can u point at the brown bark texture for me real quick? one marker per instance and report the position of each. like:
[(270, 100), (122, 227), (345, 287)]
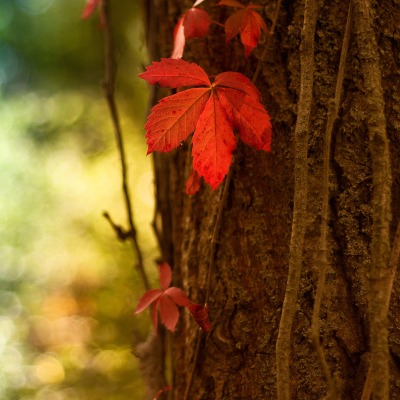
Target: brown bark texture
[(237, 359)]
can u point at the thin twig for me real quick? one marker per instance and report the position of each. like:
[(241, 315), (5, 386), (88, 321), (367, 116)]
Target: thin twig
[(283, 344), (381, 198), (218, 23), (109, 89), (266, 47), (333, 111)]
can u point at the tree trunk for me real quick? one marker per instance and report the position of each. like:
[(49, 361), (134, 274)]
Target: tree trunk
[(237, 358)]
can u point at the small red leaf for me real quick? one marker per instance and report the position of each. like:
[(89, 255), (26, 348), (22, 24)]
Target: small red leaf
[(251, 30), (193, 183), (196, 23), (165, 275), (246, 22), (213, 143), (148, 298), (200, 315), (174, 73), (178, 296), (169, 312), (89, 8), (174, 118)]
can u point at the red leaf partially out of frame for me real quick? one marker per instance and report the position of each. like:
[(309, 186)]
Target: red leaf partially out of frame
[(213, 112)]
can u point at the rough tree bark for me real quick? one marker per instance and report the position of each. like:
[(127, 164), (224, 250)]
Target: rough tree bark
[(237, 359)]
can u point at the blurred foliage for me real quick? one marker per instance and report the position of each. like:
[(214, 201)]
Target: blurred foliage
[(67, 286)]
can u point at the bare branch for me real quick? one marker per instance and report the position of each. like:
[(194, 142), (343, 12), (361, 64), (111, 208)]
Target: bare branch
[(109, 89), (322, 261), (283, 344)]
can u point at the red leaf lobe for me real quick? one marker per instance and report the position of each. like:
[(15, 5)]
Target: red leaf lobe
[(213, 143)]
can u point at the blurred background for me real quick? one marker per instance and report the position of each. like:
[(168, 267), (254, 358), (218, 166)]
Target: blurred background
[(68, 288)]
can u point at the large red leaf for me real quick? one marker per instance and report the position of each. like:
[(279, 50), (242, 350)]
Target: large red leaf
[(248, 116), (212, 113), (213, 143), (174, 118), (174, 73)]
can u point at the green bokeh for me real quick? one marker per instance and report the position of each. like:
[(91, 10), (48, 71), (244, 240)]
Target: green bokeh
[(67, 286)]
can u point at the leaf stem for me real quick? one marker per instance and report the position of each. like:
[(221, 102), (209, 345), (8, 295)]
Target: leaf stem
[(218, 23), (283, 344), (109, 92)]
